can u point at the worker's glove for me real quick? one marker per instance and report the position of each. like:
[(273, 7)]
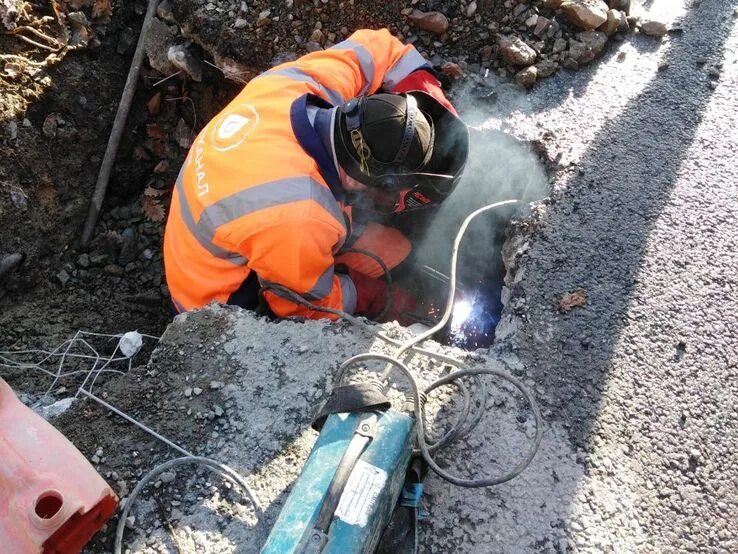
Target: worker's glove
[(372, 296)]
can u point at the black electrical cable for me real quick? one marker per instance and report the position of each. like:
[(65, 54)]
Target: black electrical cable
[(463, 424), (418, 400), (387, 277)]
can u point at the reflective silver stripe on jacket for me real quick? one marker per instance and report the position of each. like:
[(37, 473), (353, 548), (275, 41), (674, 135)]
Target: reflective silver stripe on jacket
[(348, 293), (180, 308), (297, 74), (248, 201), (322, 287), (365, 61), (403, 67), (203, 235)]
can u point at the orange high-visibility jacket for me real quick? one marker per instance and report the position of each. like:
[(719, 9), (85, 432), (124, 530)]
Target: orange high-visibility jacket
[(258, 190)]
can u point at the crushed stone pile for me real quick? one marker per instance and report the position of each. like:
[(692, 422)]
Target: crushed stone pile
[(527, 41), (241, 389)]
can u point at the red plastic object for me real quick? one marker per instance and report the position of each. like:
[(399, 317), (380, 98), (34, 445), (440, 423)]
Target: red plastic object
[(51, 499)]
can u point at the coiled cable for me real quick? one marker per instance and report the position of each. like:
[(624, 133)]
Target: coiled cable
[(468, 418)]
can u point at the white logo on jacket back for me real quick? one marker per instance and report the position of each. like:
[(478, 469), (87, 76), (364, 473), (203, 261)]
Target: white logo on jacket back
[(233, 127)]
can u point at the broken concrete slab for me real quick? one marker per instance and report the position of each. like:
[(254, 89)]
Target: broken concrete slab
[(274, 376)]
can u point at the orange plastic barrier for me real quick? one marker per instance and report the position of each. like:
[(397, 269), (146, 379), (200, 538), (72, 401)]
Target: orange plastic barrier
[(51, 499)]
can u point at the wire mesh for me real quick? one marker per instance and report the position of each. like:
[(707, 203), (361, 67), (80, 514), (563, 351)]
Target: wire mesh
[(78, 362)]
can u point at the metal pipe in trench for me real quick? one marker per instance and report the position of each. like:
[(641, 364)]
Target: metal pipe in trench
[(101, 187)]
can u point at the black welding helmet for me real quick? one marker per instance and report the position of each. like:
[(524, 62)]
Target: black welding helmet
[(408, 144)]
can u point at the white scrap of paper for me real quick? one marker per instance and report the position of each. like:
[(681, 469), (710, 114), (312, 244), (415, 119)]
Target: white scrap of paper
[(130, 343)]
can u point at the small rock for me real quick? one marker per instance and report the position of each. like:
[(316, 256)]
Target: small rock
[(164, 12), (571, 63), (452, 70), (519, 9), (63, 277), (623, 25), (197, 391), (181, 58), (240, 23), (516, 52), (471, 9), (51, 123), (434, 22), (12, 69), (83, 260), (283, 57), (215, 385), (18, 198), (587, 14), (611, 26), (532, 21), (312, 46), (77, 20), (317, 36), (131, 522), (546, 68), (183, 134), (263, 20), (188, 392), (652, 28), (98, 259), (559, 45), (622, 5), (9, 263), (158, 39), (129, 246), (527, 77), (168, 476), (12, 129), (217, 410), (588, 47), (542, 25), (161, 167), (114, 270)]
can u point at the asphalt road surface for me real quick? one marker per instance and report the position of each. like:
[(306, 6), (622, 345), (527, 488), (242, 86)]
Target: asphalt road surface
[(644, 218)]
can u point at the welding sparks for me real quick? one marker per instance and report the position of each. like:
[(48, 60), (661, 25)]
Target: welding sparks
[(462, 310)]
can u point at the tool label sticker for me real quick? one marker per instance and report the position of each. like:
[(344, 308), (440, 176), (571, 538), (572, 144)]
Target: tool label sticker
[(361, 494)]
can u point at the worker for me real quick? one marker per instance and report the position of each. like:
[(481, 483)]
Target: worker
[(263, 205)]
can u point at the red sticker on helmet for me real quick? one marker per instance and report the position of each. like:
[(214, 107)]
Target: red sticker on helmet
[(411, 200)]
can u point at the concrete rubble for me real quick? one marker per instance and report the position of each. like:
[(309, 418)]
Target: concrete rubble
[(228, 385)]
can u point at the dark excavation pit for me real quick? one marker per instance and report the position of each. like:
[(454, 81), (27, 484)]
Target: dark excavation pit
[(500, 167)]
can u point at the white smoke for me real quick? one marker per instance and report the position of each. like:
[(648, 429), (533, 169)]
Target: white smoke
[(500, 167)]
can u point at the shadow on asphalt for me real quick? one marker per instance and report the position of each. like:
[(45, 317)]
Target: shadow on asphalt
[(596, 232)]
